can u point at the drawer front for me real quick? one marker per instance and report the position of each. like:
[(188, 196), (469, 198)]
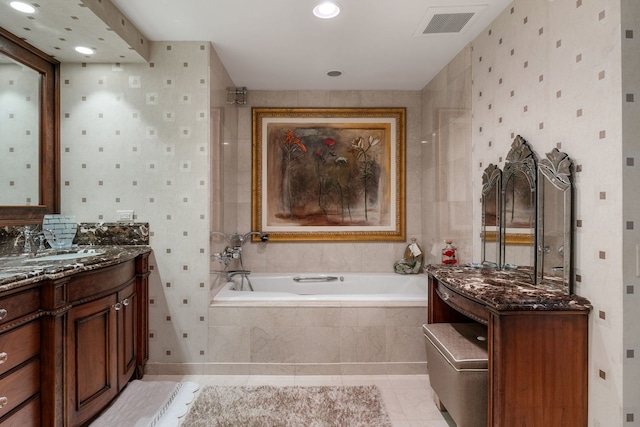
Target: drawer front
[(462, 304), (19, 304), (27, 416), (19, 345), (19, 386)]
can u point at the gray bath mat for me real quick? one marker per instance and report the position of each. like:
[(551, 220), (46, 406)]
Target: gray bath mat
[(358, 406)]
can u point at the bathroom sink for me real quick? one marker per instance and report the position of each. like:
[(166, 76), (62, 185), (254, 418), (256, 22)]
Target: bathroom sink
[(82, 253)]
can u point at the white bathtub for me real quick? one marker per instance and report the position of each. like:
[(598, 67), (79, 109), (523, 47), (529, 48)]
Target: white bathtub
[(344, 287)]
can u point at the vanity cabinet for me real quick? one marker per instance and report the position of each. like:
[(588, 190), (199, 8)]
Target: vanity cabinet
[(537, 344), (89, 332), (102, 339)]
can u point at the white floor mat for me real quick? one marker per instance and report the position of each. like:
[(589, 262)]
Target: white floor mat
[(149, 404)]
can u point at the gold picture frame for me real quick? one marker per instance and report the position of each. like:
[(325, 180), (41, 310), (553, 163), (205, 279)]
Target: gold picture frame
[(329, 174)]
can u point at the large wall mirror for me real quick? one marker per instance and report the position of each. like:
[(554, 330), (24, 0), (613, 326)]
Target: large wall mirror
[(29, 140), (527, 216)]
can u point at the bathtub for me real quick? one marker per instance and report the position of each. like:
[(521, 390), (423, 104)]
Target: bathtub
[(355, 324), (337, 287)]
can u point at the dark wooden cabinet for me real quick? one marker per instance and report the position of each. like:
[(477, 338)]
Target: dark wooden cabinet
[(538, 367), (20, 349), (104, 336), (127, 315), (69, 344), (91, 347)]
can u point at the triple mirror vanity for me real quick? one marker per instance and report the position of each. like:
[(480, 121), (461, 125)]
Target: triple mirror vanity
[(521, 296), (527, 216)]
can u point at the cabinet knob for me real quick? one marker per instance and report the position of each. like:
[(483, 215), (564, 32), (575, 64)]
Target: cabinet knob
[(3, 313), (125, 302), (3, 401), (3, 357), (117, 306)]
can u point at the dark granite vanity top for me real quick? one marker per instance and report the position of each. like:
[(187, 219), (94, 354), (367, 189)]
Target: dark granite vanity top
[(20, 270), (505, 290)]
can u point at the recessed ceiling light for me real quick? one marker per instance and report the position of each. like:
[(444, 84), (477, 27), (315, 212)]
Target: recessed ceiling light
[(84, 50), (334, 73), (22, 7), (326, 10)]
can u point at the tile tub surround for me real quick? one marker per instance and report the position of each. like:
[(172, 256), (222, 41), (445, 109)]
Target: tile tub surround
[(316, 338)]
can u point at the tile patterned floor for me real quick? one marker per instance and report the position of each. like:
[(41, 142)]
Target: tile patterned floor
[(408, 398)]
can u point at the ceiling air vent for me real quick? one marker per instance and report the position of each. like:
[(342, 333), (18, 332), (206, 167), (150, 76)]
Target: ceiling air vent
[(451, 20), (447, 23)]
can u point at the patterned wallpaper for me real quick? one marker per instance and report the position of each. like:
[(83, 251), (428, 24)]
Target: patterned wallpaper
[(138, 136), (630, 30), (551, 72)]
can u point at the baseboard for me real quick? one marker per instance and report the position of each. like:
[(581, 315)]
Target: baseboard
[(396, 368)]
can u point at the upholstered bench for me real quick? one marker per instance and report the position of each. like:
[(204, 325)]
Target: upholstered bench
[(457, 365)]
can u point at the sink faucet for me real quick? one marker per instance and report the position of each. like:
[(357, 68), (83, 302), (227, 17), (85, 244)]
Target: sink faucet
[(28, 236), (33, 239)]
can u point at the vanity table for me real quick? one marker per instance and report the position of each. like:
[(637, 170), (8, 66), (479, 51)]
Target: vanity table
[(537, 342)]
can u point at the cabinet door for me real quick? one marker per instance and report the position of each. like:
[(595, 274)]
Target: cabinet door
[(127, 313), (91, 358)]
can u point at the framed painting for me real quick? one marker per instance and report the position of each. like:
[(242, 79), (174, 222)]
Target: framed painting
[(333, 174)]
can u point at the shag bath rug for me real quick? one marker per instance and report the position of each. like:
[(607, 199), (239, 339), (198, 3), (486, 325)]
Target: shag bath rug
[(357, 406)]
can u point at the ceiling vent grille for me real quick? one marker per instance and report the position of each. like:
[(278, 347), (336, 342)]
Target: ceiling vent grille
[(448, 23)]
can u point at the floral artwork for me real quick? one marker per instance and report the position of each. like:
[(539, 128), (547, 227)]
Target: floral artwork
[(329, 174)]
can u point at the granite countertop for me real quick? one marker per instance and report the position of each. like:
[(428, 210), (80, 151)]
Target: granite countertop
[(505, 290), (20, 270)]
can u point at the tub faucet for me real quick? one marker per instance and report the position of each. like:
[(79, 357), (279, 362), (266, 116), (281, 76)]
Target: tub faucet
[(234, 249)]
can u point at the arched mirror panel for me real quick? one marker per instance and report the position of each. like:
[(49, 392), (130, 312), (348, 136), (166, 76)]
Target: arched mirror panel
[(518, 208), (555, 201), (491, 188)]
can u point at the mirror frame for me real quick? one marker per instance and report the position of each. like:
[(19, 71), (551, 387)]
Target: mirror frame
[(49, 161)]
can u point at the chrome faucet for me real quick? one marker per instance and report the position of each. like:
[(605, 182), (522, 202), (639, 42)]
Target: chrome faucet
[(234, 249), (34, 239), (234, 252)]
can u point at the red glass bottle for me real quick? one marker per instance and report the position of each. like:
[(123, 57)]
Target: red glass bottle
[(449, 253)]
